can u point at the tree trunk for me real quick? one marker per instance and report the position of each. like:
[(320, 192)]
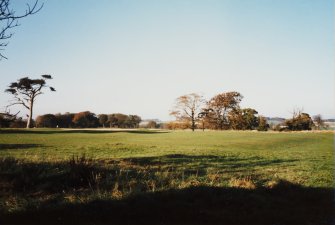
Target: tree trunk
[(30, 116), (193, 121)]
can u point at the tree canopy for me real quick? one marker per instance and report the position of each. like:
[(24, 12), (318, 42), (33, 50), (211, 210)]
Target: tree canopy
[(221, 105), (187, 108), (25, 91)]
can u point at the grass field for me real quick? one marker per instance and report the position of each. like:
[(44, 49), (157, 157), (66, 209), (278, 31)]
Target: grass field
[(162, 177)]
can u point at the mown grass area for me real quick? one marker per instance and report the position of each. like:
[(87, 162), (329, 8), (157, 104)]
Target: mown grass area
[(161, 177)]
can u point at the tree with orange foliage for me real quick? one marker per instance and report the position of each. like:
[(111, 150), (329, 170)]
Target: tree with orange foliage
[(220, 106), (85, 120)]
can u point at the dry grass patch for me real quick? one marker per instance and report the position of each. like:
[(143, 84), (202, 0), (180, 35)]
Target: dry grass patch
[(245, 183)]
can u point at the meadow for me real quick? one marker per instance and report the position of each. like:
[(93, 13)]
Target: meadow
[(97, 176)]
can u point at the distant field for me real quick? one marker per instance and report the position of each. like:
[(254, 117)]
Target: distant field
[(331, 125), (208, 177)]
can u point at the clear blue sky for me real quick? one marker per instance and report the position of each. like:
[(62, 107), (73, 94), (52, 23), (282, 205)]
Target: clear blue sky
[(136, 57)]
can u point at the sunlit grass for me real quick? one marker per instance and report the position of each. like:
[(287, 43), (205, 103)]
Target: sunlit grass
[(305, 158), (43, 169)]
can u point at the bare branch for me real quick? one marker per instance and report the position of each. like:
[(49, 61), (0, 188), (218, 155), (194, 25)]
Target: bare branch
[(9, 20), (188, 107)]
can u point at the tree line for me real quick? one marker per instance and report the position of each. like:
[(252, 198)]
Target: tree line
[(84, 119), (223, 112)]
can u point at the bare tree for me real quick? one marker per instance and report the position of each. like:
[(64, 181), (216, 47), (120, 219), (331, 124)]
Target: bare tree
[(25, 91), (9, 19), (319, 122), (297, 111), (188, 107)]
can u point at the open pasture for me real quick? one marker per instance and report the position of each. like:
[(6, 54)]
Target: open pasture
[(180, 177)]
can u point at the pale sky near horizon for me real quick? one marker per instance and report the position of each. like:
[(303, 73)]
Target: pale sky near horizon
[(138, 56)]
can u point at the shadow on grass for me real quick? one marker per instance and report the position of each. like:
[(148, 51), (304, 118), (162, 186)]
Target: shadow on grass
[(18, 146), (43, 188), (293, 205), (77, 131), (201, 163)]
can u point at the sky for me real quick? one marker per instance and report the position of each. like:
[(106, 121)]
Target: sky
[(137, 57)]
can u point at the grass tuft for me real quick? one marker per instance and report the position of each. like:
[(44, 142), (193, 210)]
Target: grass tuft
[(245, 183)]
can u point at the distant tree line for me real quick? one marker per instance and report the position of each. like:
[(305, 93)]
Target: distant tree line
[(223, 112), (302, 121), (84, 119)]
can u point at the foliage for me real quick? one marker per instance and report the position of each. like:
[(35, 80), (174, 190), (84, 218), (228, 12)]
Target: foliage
[(132, 121), (113, 120), (176, 125), (25, 91), (262, 125), (300, 121), (6, 119), (123, 121), (103, 118), (47, 120), (152, 124), (243, 119), (65, 120), (85, 120), (221, 105), (19, 123)]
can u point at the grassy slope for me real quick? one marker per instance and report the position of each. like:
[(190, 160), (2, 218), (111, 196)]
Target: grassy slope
[(146, 177)]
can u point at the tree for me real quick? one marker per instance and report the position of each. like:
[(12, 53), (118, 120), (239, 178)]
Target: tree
[(112, 120), (203, 117), (243, 119), (220, 106), (9, 19), (25, 91), (133, 121), (187, 107), (151, 124), (103, 118), (119, 120), (319, 122), (236, 120), (65, 120), (250, 119), (85, 120), (6, 118), (300, 121), (47, 120), (262, 124)]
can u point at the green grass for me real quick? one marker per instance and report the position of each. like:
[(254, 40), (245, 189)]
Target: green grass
[(49, 171)]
